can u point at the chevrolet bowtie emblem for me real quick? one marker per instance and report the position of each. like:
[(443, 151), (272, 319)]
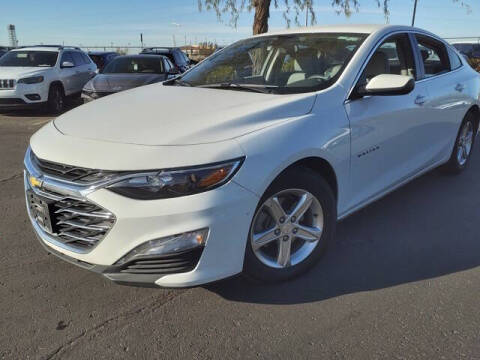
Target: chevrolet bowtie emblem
[(35, 182)]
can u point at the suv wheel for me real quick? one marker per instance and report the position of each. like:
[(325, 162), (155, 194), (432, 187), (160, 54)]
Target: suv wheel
[(292, 227), (56, 99)]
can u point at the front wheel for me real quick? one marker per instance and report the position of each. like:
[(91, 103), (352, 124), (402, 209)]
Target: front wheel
[(463, 146), (56, 100), (292, 227)]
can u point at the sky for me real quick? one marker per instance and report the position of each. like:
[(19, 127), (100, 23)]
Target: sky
[(120, 22)]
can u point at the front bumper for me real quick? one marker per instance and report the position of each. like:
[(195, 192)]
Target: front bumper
[(17, 97), (226, 212)]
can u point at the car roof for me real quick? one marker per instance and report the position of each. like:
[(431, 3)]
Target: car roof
[(347, 29), (37, 48), (160, 49), (101, 52), (136, 56)]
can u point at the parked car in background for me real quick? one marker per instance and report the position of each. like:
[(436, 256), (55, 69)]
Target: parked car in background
[(176, 56), (102, 58), (127, 72), (246, 162), (39, 75), (470, 50)]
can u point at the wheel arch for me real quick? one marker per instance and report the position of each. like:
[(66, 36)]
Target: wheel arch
[(57, 83), (320, 166), (475, 109)]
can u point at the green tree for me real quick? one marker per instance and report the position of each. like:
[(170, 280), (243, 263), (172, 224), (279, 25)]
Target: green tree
[(292, 9)]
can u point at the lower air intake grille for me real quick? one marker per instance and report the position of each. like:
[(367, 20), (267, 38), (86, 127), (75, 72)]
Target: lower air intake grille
[(165, 264)]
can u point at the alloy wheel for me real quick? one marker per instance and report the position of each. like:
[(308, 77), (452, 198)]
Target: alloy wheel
[(286, 228), (465, 142)]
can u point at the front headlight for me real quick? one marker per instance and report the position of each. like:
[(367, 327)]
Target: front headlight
[(177, 182), (31, 80)]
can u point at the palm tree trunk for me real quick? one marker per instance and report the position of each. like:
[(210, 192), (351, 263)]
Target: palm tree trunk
[(262, 13)]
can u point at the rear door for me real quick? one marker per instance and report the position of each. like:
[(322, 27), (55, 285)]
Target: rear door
[(387, 132), (441, 72)]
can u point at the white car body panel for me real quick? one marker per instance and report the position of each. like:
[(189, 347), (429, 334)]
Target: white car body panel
[(373, 144), (211, 117)]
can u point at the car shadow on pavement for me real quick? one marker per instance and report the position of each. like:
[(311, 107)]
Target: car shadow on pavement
[(39, 111), (424, 230)]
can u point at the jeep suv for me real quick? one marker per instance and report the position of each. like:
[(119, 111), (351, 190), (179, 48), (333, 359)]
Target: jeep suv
[(43, 75)]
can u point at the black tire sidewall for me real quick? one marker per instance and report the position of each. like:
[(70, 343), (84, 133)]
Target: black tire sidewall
[(304, 179), (53, 100)]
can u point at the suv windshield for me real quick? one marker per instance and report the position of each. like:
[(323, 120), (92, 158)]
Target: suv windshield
[(29, 58), (283, 64), (130, 65)]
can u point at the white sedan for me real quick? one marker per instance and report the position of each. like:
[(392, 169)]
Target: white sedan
[(246, 162)]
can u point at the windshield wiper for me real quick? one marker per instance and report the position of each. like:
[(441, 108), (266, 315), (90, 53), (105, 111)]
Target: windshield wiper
[(265, 89), (181, 82)]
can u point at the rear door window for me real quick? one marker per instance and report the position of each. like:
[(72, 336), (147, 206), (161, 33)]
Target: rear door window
[(434, 56)]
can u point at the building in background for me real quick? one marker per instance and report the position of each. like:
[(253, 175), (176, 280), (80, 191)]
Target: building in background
[(12, 36)]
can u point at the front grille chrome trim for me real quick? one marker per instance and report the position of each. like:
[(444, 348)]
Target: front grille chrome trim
[(78, 224)]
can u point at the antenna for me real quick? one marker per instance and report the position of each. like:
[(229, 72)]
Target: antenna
[(12, 36)]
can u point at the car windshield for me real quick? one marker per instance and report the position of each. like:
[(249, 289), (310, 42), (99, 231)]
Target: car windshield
[(282, 64), (135, 65), (29, 58)]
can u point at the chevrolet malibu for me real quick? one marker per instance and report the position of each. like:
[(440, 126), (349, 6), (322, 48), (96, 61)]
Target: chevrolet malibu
[(246, 162)]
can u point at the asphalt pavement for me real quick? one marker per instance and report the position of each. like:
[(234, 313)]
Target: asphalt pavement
[(401, 282)]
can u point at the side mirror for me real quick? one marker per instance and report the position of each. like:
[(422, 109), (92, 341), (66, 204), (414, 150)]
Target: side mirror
[(67, 64), (388, 85)]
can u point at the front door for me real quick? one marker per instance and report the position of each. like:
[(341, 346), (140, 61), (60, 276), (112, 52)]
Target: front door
[(386, 131)]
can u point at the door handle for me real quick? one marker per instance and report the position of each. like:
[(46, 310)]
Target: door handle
[(459, 87), (420, 100)]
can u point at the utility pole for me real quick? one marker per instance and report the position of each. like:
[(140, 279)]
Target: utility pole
[(414, 12), (306, 13), (141, 39)]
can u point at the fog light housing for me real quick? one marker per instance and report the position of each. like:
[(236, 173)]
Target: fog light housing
[(167, 245), (33, 97)]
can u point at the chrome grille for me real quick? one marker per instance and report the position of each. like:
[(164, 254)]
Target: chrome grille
[(78, 223), (7, 84), (70, 173)]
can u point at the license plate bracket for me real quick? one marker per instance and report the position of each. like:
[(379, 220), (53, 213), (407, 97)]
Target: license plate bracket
[(40, 211)]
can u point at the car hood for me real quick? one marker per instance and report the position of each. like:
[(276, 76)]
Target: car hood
[(120, 82), (13, 72), (175, 115)]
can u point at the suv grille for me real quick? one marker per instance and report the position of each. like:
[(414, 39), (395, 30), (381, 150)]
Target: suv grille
[(7, 84), (77, 223), (68, 172)]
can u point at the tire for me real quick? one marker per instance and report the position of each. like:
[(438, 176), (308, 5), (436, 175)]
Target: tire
[(56, 99), (463, 147), (267, 263)]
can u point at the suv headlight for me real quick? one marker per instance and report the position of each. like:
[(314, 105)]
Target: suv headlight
[(31, 80), (177, 182)]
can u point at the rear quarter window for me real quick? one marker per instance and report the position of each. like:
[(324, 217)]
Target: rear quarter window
[(455, 61)]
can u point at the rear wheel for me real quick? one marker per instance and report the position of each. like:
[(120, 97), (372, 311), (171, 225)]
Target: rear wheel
[(292, 227), (56, 99), (463, 145)]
